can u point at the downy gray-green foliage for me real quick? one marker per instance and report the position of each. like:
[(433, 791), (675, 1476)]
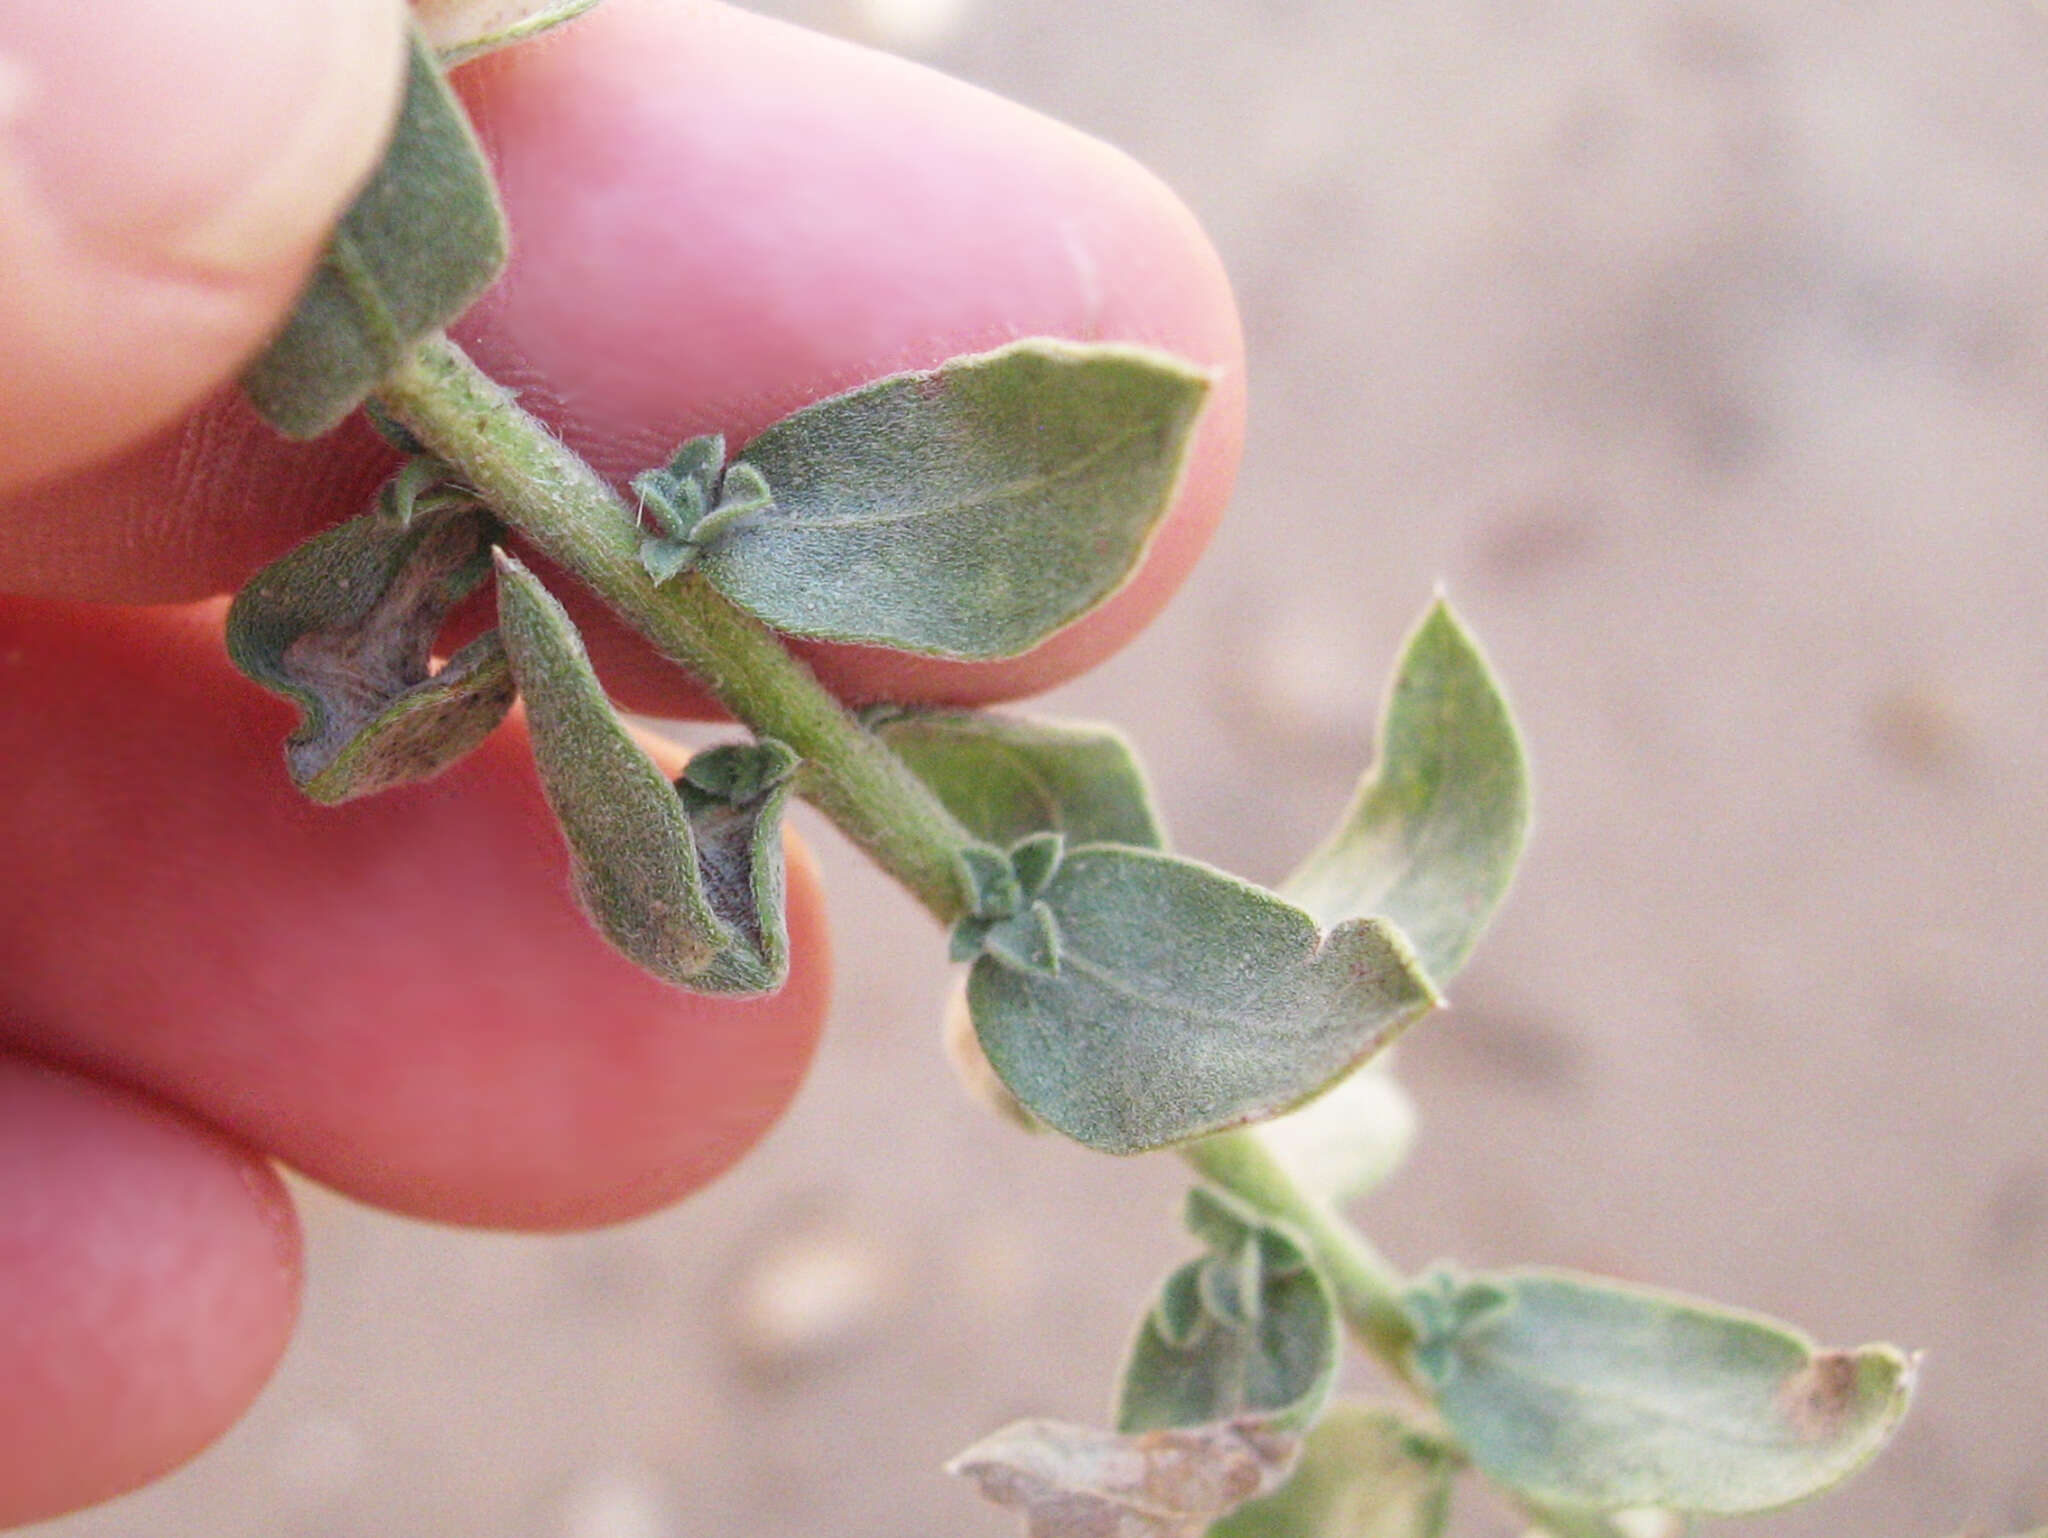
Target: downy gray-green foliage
[(1118, 993)]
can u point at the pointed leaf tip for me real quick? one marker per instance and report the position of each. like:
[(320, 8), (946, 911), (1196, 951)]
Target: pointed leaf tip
[(1435, 830), (685, 879), (1581, 1392)]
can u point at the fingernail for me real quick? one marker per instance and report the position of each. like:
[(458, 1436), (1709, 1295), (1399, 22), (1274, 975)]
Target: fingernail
[(214, 139)]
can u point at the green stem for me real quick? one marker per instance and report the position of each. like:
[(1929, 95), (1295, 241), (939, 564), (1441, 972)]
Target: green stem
[(1368, 1288), (539, 486)]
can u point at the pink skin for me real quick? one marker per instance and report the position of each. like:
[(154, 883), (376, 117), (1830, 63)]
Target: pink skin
[(398, 996)]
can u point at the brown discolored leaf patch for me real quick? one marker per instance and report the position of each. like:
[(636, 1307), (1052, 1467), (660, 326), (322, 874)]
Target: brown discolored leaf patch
[(1818, 1397), (1080, 1482)]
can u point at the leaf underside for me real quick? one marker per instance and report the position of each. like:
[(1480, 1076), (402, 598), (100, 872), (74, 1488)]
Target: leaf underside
[(1586, 1393), (966, 511), (422, 240), (344, 626)]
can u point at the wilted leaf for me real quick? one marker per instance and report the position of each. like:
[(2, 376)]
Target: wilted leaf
[(733, 797), (462, 29), (1186, 1001), (967, 511), (1432, 836), (420, 242), (1250, 1329), (1077, 1482), (685, 879), (344, 627), (1586, 1393), (1365, 1472), (1006, 777), (1348, 1139)]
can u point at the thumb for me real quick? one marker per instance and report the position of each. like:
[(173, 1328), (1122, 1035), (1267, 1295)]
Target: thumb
[(167, 175)]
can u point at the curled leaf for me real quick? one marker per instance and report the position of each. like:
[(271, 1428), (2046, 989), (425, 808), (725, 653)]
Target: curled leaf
[(733, 797), (685, 879), (422, 240), (1366, 1472), (966, 511), (460, 30), (1186, 1001), (1249, 1329), (1006, 777), (1078, 1482), (1585, 1393), (1432, 837), (344, 627)]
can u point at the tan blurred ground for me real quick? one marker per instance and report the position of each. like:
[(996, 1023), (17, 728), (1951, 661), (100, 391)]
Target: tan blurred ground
[(1702, 349)]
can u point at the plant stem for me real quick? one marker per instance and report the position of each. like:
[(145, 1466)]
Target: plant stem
[(1368, 1288), (538, 485)]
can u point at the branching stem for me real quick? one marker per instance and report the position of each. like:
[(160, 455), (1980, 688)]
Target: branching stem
[(538, 485)]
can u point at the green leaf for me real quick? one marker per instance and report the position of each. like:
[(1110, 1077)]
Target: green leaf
[(421, 241), (1006, 777), (1250, 1329), (1078, 1482), (733, 797), (1348, 1139), (344, 627), (1186, 1001), (1366, 1472), (685, 879), (1581, 1392), (1432, 836), (460, 30), (967, 511)]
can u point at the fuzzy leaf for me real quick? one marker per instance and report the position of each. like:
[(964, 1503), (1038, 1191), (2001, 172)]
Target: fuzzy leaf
[(1078, 1482), (1586, 1393), (460, 30), (1006, 777), (1250, 1329), (1348, 1139), (420, 242), (1186, 1001), (967, 511), (1432, 836), (734, 798), (685, 879), (1364, 1473), (344, 627)]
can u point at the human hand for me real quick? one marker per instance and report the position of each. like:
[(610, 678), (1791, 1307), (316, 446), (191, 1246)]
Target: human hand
[(715, 219)]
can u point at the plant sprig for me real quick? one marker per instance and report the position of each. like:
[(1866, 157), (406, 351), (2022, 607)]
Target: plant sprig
[(1121, 994)]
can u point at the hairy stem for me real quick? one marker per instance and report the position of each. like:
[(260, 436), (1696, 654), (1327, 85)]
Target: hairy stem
[(1368, 1288), (538, 485)]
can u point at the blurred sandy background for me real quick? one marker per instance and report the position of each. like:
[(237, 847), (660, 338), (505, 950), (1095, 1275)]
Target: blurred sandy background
[(1702, 349)]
